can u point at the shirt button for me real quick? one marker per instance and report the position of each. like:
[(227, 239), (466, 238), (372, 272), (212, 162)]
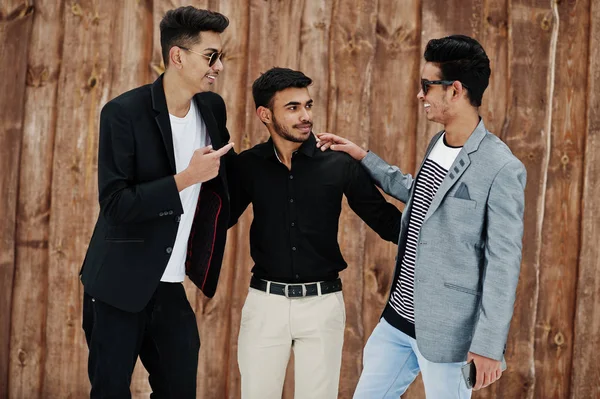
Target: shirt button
[(293, 248), (169, 250), (291, 177), (293, 224), (178, 218), (291, 200), (297, 276)]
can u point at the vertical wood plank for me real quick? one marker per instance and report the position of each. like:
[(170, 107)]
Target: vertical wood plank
[(16, 20), (27, 346), (393, 110), (352, 50), (527, 133), (84, 85), (585, 368), (313, 55), (561, 243)]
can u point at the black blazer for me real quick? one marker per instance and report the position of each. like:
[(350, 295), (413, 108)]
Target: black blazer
[(139, 203)]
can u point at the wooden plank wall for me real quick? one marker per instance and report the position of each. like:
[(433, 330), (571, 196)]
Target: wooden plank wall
[(67, 59)]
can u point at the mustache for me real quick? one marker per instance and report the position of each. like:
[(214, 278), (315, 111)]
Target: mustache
[(302, 125)]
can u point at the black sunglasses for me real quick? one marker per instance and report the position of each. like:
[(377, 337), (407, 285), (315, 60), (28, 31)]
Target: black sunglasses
[(425, 84), (212, 58)]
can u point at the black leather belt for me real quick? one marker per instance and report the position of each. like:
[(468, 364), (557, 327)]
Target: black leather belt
[(297, 290)]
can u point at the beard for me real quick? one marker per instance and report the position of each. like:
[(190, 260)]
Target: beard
[(284, 132)]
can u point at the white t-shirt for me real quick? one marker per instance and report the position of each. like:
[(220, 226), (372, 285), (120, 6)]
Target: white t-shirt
[(189, 134)]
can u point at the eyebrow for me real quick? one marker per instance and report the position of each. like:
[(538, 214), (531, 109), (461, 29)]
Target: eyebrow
[(298, 103), (214, 50)]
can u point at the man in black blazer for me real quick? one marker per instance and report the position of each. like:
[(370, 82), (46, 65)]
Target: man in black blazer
[(164, 212)]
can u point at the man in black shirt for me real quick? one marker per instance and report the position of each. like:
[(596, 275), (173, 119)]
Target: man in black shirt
[(295, 299)]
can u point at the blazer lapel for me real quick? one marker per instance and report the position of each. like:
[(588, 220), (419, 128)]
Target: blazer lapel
[(210, 122), (159, 104), (429, 148), (460, 164)]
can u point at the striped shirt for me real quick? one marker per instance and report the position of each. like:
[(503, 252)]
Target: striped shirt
[(428, 181)]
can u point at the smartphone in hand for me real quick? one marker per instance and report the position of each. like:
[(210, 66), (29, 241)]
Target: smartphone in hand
[(470, 373)]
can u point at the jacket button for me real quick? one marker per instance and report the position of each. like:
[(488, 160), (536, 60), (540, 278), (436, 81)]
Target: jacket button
[(169, 250), (170, 212), (161, 214)]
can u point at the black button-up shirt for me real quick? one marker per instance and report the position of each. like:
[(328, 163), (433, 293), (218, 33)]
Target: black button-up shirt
[(293, 237)]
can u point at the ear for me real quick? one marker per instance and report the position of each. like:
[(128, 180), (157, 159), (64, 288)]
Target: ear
[(458, 90), (264, 114), (175, 57)]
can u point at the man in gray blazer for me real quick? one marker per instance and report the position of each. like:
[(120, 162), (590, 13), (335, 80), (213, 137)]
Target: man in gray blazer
[(459, 252)]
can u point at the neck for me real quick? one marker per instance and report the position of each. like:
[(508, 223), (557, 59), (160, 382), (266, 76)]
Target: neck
[(285, 149), (461, 127), (177, 96)]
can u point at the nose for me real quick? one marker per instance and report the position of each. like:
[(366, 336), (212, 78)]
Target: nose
[(421, 95), (305, 115), (218, 67)]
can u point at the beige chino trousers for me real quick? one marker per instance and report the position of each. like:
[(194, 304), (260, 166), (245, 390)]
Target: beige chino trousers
[(273, 325)]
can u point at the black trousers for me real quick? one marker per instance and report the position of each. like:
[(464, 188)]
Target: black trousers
[(164, 335)]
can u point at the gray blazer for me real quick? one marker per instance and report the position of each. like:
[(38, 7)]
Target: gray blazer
[(469, 248)]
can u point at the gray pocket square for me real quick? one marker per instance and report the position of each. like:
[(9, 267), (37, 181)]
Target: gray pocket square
[(462, 192)]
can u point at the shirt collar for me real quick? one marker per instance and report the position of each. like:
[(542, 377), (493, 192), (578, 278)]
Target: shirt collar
[(307, 148)]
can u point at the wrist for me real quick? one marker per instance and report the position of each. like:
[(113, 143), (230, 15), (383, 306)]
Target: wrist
[(362, 154), (182, 180)]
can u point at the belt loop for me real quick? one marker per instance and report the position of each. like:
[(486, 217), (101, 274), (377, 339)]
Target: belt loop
[(319, 288), (268, 288)]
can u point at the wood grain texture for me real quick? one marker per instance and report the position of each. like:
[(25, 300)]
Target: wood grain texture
[(28, 326), (562, 215), (526, 131), (585, 370), (16, 21)]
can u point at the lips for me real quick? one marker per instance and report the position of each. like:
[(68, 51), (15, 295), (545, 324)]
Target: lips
[(211, 78), (304, 128)]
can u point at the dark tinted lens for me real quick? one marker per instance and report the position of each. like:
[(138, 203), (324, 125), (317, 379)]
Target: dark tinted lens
[(214, 57), (424, 87)]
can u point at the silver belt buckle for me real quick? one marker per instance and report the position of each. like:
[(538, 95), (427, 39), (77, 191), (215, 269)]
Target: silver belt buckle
[(286, 290)]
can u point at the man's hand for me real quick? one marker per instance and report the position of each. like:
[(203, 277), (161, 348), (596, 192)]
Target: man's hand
[(203, 166), (488, 370), (337, 143)]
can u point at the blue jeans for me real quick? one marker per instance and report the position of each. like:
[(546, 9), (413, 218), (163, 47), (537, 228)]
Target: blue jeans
[(392, 361)]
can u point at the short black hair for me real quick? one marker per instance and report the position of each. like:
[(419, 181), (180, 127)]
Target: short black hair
[(461, 58), (182, 26), (276, 79)]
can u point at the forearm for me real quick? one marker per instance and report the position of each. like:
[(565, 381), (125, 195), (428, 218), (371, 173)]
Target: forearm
[(390, 178)]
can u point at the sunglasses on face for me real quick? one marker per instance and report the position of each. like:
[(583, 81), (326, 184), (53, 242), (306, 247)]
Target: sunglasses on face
[(426, 83), (212, 58)]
